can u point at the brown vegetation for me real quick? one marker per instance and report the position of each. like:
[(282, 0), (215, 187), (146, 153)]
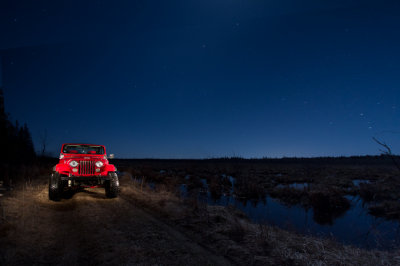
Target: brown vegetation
[(88, 228), (228, 231), (28, 233), (328, 180)]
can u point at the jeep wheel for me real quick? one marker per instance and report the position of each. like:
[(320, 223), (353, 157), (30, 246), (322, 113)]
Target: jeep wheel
[(55, 187), (112, 186)]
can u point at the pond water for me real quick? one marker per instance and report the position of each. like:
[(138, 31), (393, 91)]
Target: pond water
[(357, 182), (295, 185), (355, 227)]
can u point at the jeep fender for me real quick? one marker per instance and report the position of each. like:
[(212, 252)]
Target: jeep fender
[(110, 168), (61, 168)]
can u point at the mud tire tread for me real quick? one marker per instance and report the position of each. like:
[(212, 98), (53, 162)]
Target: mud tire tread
[(112, 186), (55, 187)]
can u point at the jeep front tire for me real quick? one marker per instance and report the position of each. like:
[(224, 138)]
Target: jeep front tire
[(111, 186), (55, 187)]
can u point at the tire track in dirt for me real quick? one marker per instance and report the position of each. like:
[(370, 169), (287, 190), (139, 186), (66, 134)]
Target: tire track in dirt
[(181, 237), (87, 228)]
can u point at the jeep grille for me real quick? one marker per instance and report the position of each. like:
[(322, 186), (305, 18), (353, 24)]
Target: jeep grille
[(86, 168)]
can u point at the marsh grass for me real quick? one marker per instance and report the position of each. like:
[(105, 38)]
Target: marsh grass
[(256, 178), (224, 230), (228, 231)]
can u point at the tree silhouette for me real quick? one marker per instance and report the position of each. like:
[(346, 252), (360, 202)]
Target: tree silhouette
[(15, 140), (387, 151), (3, 127)]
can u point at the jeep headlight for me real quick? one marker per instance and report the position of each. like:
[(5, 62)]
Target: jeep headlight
[(99, 164), (73, 163)]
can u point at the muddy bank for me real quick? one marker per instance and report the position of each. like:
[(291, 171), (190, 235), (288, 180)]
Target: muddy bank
[(324, 183), (229, 231), (146, 226)]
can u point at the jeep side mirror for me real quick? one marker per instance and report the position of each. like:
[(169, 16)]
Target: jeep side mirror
[(111, 156)]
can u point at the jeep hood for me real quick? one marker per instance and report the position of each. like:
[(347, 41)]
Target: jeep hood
[(84, 157)]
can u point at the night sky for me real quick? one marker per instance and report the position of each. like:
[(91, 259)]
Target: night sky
[(206, 78)]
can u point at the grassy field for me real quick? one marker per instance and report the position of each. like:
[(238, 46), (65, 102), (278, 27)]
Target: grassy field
[(325, 181), (154, 224)]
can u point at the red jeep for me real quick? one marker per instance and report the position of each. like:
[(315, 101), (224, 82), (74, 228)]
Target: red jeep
[(83, 165)]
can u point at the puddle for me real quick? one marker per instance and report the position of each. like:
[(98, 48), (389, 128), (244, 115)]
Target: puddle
[(300, 186), (357, 182), (354, 227), (232, 180), (184, 190)]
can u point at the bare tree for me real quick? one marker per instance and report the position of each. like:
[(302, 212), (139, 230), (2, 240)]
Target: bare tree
[(387, 151), (43, 140)]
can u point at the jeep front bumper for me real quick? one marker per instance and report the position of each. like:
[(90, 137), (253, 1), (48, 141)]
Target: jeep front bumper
[(85, 178)]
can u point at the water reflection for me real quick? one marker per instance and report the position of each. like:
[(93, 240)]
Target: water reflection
[(357, 182), (295, 185), (327, 217)]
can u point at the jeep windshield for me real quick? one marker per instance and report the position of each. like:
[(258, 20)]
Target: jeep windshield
[(83, 149)]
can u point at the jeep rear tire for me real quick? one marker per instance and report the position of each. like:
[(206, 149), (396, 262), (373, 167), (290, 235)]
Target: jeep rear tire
[(55, 187), (111, 186)]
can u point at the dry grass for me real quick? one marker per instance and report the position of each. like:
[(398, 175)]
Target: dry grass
[(230, 233), (254, 179), (20, 219), (265, 244), (89, 229), (163, 201), (221, 229)]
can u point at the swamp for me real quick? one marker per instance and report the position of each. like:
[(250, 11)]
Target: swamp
[(352, 200)]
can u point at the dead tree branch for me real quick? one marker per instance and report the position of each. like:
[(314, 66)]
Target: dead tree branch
[(387, 151), (43, 140)]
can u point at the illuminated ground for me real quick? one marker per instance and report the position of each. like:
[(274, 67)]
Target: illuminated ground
[(152, 227), (91, 229)]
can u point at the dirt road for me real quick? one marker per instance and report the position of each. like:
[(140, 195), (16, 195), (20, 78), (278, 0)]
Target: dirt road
[(88, 229), (147, 227)]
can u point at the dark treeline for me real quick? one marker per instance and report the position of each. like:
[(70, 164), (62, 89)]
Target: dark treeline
[(16, 144), (15, 140), (341, 160)]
